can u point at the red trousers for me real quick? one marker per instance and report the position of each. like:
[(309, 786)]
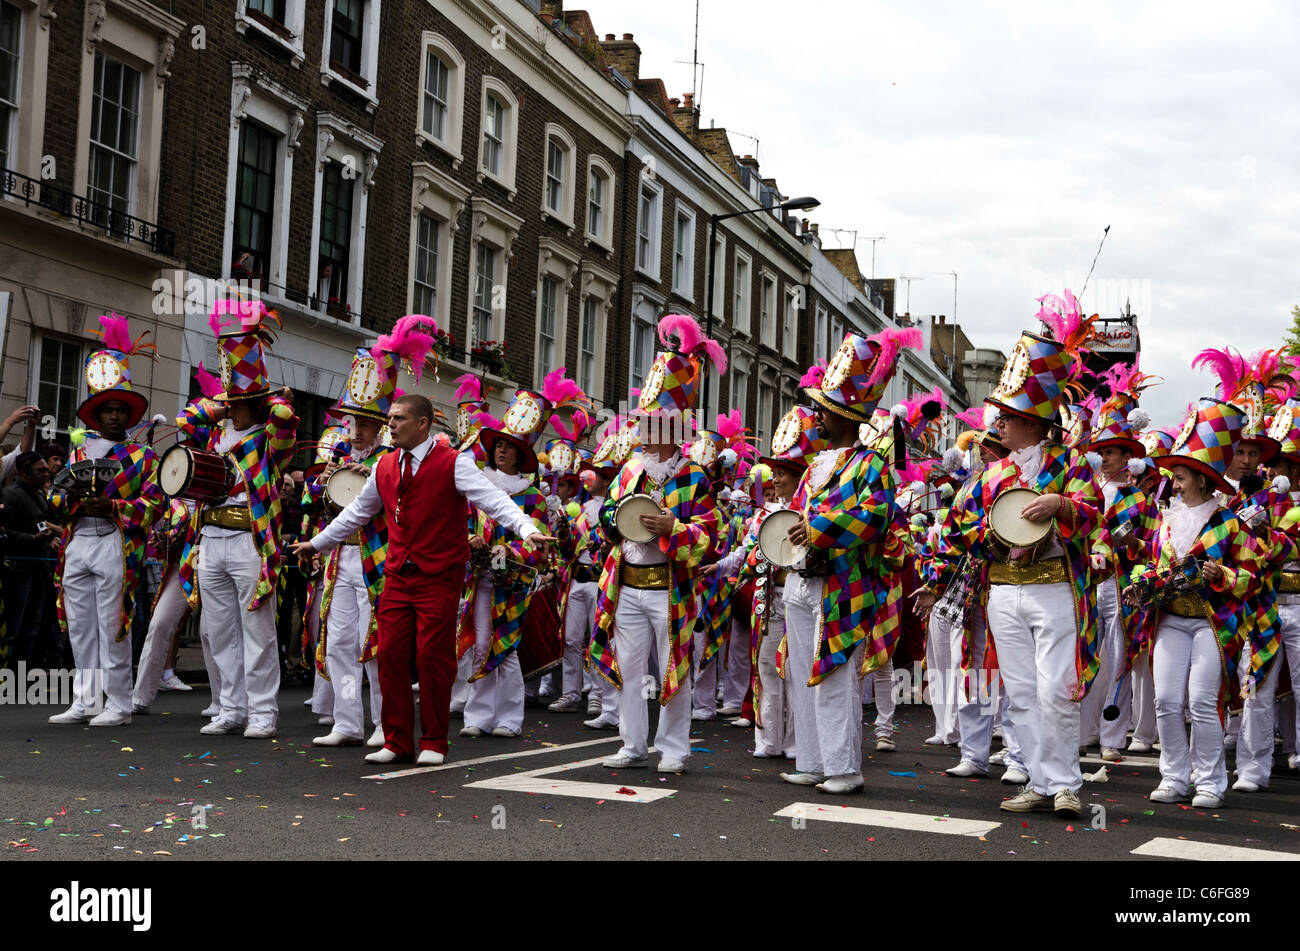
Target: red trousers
[(417, 621)]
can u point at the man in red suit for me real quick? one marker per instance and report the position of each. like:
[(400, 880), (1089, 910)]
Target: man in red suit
[(422, 489)]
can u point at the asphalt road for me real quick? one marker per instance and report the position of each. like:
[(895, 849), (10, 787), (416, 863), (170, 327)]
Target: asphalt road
[(159, 791)]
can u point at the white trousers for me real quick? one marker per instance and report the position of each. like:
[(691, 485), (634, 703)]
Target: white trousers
[(880, 688), (1144, 699), (776, 736), (641, 627), (943, 664), (980, 698), (496, 699), (243, 642), (1255, 745), (1111, 649), (460, 689), (579, 617), (802, 609), (168, 613), (349, 617), (704, 694), (322, 690), (736, 675), (1187, 667), (1034, 630), (92, 601)]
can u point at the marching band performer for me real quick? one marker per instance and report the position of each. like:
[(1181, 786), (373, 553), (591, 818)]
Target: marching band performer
[(333, 444), (239, 538), (109, 517), (647, 598), (1197, 644), (843, 599)]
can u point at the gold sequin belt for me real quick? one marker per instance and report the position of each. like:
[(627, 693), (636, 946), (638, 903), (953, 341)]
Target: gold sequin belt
[(644, 576), (354, 538), (1047, 571), (1289, 583), (230, 516), (1187, 605)]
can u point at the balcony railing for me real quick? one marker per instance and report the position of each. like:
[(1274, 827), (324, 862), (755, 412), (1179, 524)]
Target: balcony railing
[(85, 211)]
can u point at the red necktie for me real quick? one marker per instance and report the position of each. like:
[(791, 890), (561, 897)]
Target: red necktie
[(405, 482)]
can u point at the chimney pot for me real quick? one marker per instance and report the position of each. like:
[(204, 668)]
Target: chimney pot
[(804, 226), (814, 227), (674, 103), (627, 37), (689, 99), (609, 37)]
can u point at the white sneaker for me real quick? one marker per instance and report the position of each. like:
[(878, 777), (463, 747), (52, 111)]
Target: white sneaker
[(743, 723), (172, 682), (841, 785), (505, 732), (70, 715), (1137, 746), (1230, 742), (471, 731), (964, 769), (429, 758), (336, 739), (325, 721), (1207, 800), (700, 716), (139, 709), (593, 707), (803, 779), (1292, 762), (220, 727), (885, 745), (111, 718), (259, 732), (1245, 785), (729, 712), (1110, 754), (999, 758), (600, 723), (376, 739), (667, 765), (621, 760), (1166, 794), (565, 705), (381, 757), (1015, 777), (211, 710), (935, 740)]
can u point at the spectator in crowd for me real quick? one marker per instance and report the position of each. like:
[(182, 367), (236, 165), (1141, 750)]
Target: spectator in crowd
[(28, 414), (26, 572)]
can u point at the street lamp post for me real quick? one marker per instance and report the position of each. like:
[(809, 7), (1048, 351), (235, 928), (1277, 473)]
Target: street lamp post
[(794, 204)]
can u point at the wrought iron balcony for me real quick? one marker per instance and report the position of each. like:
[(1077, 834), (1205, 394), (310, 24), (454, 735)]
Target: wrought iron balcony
[(113, 223)]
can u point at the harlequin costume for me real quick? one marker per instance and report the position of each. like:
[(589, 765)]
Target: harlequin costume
[(647, 590), (240, 537), (101, 563), (841, 604), (497, 596), (333, 448), (1041, 607)]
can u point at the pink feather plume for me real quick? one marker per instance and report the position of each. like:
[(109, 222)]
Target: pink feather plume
[(730, 425), (575, 429), (973, 417), (116, 332), (469, 388), (209, 384), (892, 340), (488, 420), (1227, 364), (813, 377), (409, 340), (248, 314), (690, 339), (559, 390)]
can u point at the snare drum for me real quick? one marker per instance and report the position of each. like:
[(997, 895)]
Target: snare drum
[(195, 474), (774, 538), (627, 517), (343, 486), (1008, 526)]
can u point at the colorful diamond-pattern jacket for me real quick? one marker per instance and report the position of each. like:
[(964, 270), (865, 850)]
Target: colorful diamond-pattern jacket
[(137, 502), (687, 496), (1131, 506), (260, 458)]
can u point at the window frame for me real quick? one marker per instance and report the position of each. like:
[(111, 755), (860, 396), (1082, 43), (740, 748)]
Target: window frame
[(653, 230), (10, 127), (271, 210), (767, 315), (493, 225), (742, 370), (294, 24), (744, 325), (76, 388), (114, 151), (557, 136), (451, 143), (597, 285), (790, 320), (597, 166), (368, 73), (684, 282), (557, 263), (647, 305), (506, 178), (436, 194)]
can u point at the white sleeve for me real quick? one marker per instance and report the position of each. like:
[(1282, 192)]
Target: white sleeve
[(8, 464), (360, 510), (491, 501)]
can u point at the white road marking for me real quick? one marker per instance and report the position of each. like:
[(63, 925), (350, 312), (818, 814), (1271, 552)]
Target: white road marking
[(890, 819), (1146, 762), (533, 782), (1166, 848), (416, 770)]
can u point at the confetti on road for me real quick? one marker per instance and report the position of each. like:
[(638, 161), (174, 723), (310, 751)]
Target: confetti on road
[(901, 773)]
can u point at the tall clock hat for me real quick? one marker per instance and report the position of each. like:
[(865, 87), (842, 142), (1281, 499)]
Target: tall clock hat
[(243, 338), (108, 376), (1033, 383), (673, 381), (526, 417), (1243, 382), (856, 377), (372, 381)]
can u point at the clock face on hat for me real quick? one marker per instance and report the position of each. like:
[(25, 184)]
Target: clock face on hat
[(787, 433), (225, 370), (561, 456), (1280, 428), (704, 451), (624, 443), (523, 416), (103, 372), (606, 448), (364, 382), (837, 372), (654, 384), (1016, 371), (1150, 442), (1250, 405), (1189, 426)]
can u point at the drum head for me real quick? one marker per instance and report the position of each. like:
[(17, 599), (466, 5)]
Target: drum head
[(627, 517), (174, 470), (343, 486), (1009, 526), (774, 539)]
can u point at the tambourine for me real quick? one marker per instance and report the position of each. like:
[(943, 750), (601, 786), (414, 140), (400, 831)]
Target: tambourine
[(774, 538), (627, 517), (1008, 526), (343, 486)]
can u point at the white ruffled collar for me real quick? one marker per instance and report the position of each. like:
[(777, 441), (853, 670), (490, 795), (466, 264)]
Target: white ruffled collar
[(660, 471), (509, 484), (1028, 461), (1186, 522)]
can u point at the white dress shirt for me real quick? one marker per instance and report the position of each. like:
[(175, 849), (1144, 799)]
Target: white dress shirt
[(229, 439), (470, 482)]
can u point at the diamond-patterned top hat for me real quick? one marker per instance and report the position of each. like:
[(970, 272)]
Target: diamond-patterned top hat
[(372, 382), (526, 417), (614, 444), (469, 403), (331, 447), (856, 377), (242, 341), (1114, 427), (1284, 429), (1207, 441), (1076, 424), (1033, 380), (796, 441), (1244, 382), (673, 380), (1156, 442), (108, 375)]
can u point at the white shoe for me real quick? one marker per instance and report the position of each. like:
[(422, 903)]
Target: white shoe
[(593, 707), (381, 757), (336, 739), (429, 758), (565, 705), (211, 710), (999, 758), (742, 722), (307, 702), (935, 741), (621, 760), (1245, 785), (964, 769), (70, 715), (376, 739), (600, 723), (1015, 777), (259, 732), (471, 731), (325, 721), (667, 765), (1110, 754), (220, 727), (803, 779), (1206, 800), (839, 786), (1137, 746), (172, 682), (1166, 794), (505, 732), (701, 717), (139, 709), (111, 718), (885, 745), (729, 712)]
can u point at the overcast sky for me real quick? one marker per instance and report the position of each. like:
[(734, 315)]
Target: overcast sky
[(997, 140)]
